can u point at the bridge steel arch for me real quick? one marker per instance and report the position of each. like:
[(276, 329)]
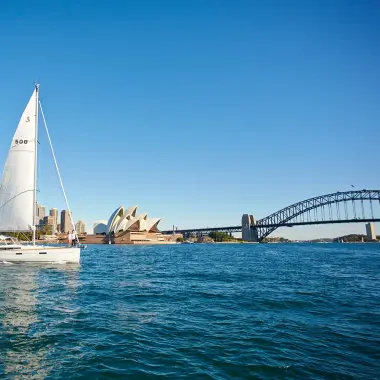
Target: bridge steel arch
[(285, 216)]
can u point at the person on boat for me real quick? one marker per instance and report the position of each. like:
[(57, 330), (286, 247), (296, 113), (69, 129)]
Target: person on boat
[(69, 241), (73, 238)]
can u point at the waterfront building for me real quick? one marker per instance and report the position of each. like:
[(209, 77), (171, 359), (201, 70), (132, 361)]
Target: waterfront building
[(125, 226), (370, 229), (80, 227), (100, 227), (126, 220), (66, 224)]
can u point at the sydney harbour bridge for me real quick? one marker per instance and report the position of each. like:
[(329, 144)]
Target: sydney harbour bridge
[(341, 207)]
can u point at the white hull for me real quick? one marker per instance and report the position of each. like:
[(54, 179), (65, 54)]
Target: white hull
[(40, 254)]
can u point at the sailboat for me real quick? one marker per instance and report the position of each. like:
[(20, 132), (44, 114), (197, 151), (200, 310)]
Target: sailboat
[(18, 194)]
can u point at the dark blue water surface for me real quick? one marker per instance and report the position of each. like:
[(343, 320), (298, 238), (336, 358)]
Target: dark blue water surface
[(223, 311)]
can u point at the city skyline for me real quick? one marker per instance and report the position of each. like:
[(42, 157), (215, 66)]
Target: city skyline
[(52, 219), (230, 107)]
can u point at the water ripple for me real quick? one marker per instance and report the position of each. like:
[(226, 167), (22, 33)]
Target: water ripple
[(195, 312)]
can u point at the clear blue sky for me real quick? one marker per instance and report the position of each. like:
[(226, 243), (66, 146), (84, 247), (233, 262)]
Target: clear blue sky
[(197, 110)]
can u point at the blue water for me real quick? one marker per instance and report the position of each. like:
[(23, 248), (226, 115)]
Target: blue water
[(270, 311)]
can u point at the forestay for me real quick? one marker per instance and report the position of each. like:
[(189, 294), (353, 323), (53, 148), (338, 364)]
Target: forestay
[(17, 185)]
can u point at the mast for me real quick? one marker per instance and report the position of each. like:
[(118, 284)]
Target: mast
[(35, 170)]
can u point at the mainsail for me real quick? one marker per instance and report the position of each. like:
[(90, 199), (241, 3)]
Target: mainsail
[(17, 200)]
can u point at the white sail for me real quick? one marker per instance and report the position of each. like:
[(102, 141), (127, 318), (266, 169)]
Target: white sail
[(17, 185)]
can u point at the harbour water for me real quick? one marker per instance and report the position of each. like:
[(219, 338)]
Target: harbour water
[(284, 311)]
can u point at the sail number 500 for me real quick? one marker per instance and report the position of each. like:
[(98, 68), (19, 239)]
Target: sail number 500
[(21, 142)]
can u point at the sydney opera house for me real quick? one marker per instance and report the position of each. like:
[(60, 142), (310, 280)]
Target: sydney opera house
[(125, 226)]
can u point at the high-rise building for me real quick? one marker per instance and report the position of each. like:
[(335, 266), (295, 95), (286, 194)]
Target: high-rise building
[(80, 227), (54, 213), (370, 228), (50, 225), (66, 221), (48, 220), (40, 211)]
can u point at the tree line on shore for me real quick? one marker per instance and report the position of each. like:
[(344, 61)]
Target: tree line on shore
[(225, 237)]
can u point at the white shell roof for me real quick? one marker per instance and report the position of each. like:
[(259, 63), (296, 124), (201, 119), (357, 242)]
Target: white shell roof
[(111, 221), (128, 215), (152, 223), (135, 220), (121, 220)]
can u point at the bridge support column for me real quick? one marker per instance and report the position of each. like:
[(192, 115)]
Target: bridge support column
[(245, 228), (248, 228), (254, 234)]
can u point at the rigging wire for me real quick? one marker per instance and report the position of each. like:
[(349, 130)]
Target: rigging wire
[(56, 167)]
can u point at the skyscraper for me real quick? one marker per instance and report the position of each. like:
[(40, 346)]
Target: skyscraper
[(66, 221), (50, 225), (80, 227), (40, 211), (48, 220), (54, 214)]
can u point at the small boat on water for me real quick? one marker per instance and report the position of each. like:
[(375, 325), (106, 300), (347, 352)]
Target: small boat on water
[(18, 194)]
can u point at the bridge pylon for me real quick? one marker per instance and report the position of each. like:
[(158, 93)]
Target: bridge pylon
[(248, 228)]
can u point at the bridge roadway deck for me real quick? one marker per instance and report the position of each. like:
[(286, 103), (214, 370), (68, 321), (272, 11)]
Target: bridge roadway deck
[(293, 224)]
